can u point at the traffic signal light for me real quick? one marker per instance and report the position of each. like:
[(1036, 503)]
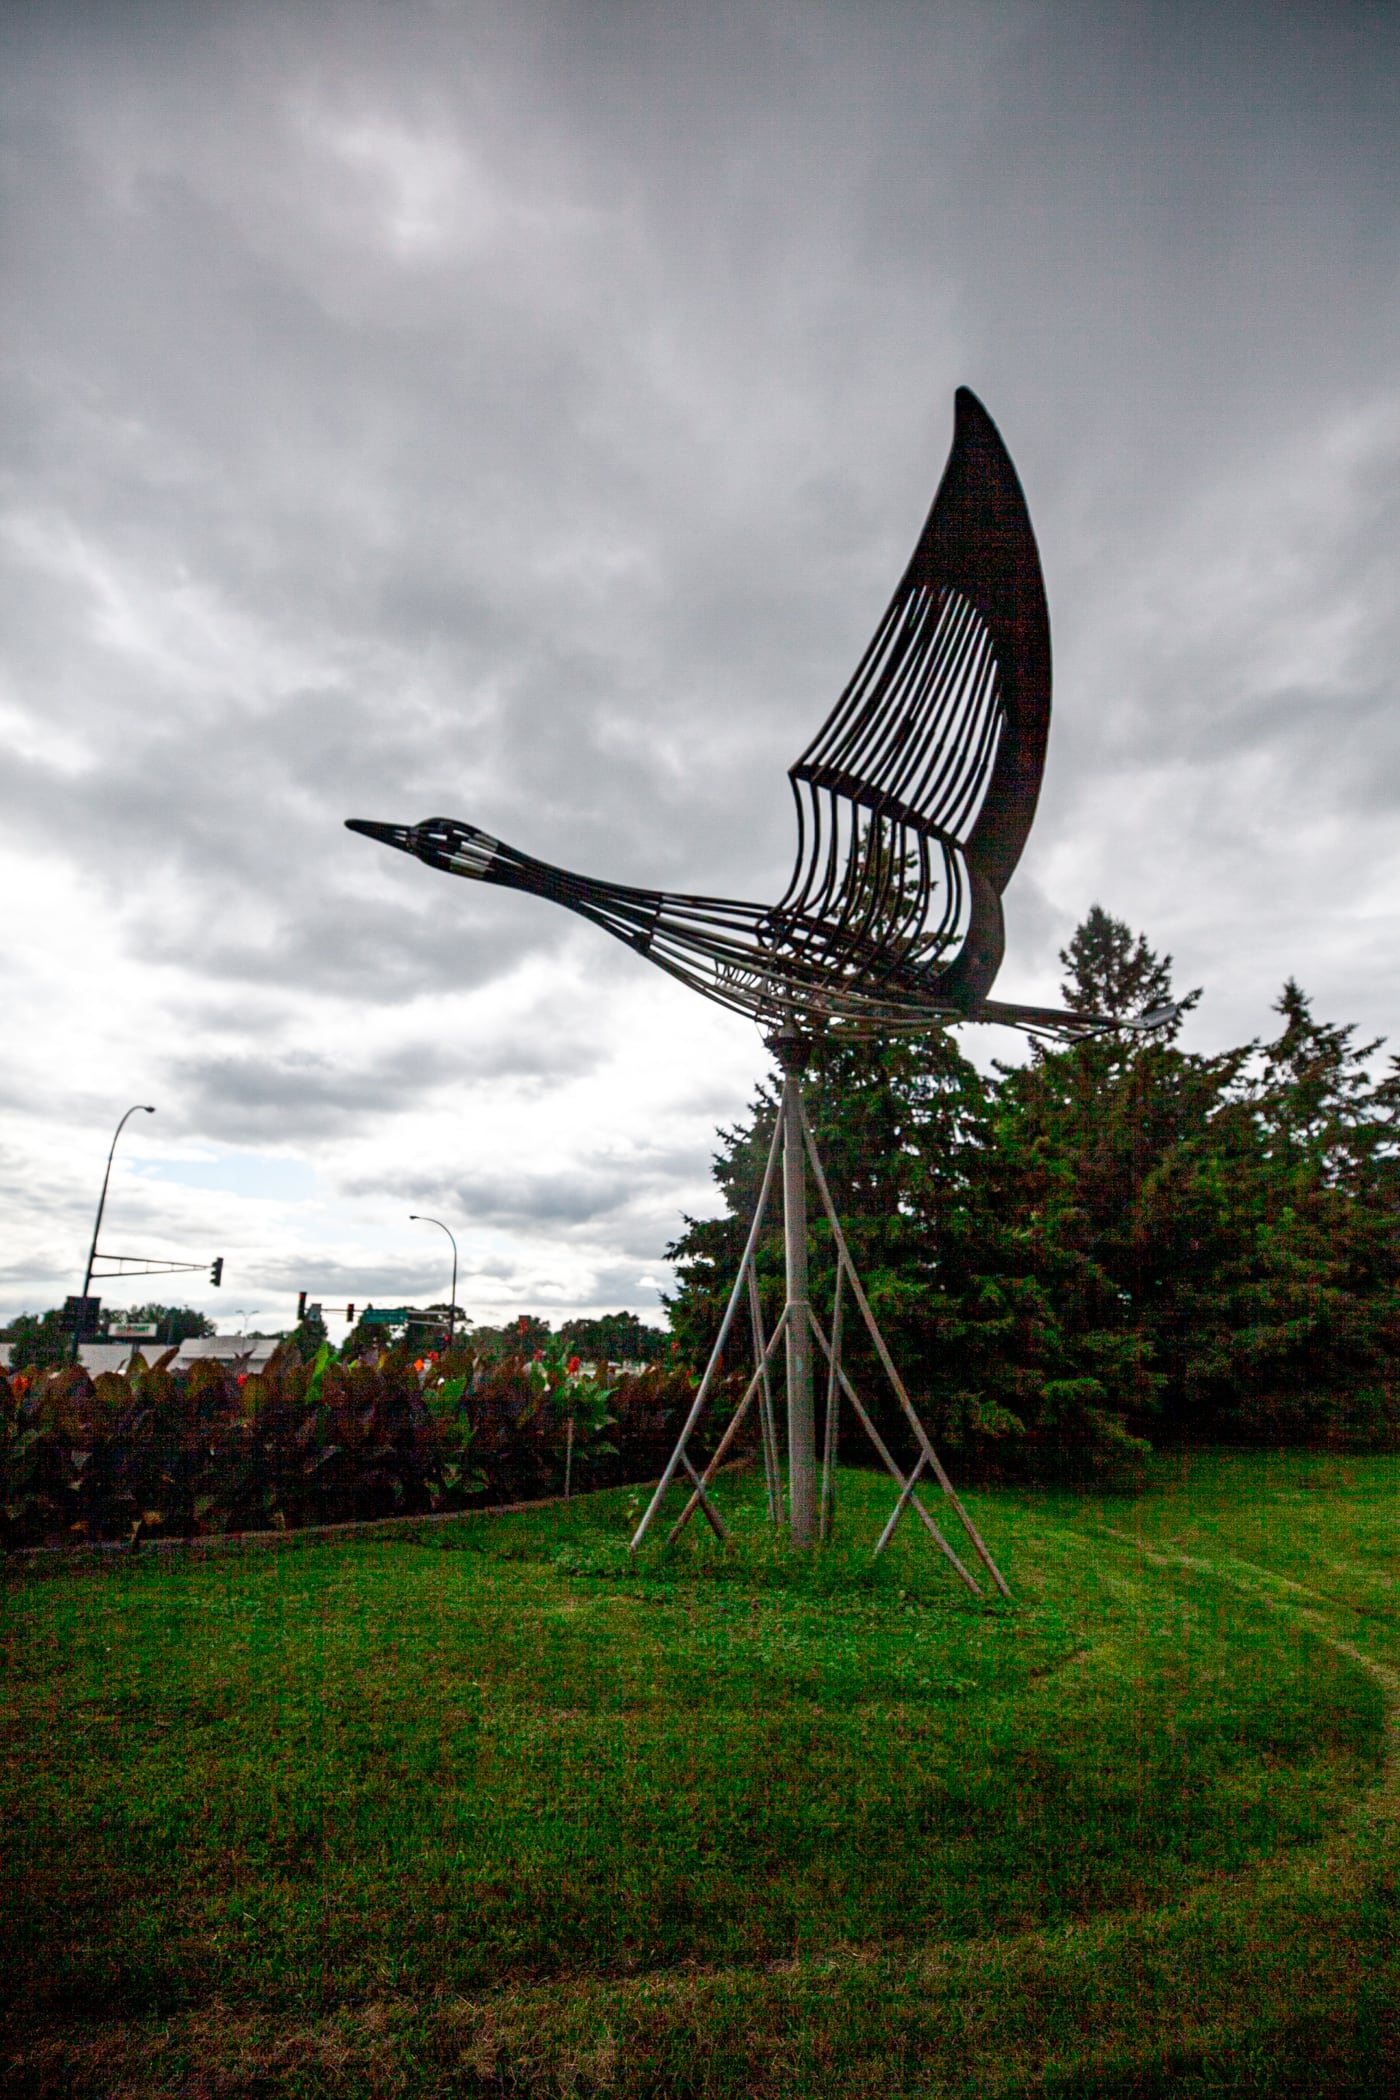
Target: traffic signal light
[(350, 1314), (301, 1307), (216, 1271)]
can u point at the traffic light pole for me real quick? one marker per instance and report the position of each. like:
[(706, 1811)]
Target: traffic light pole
[(416, 1217), (144, 1109)]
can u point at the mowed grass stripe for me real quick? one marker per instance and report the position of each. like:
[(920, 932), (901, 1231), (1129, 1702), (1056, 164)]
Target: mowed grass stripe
[(498, 1770)]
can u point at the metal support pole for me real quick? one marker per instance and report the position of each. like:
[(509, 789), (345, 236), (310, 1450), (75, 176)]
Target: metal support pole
[(801, 1422), (810, 1514)]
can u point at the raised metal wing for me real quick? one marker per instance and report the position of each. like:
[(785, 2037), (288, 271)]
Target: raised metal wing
[(916, 795)]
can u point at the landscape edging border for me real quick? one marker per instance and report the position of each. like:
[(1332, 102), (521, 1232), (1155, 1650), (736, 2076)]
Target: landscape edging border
[(270, 1539)]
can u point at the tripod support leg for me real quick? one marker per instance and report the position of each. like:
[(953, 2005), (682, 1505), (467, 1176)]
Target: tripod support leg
[(801, 1421), (793, 1137), (898, 1511), (712, 1515), (698, 1403), (833, 1403), (893, 1470), (772, 1472), (702, 1480), (844, 1255)]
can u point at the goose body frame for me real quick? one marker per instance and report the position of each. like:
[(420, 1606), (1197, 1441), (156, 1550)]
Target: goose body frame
[(914, 801)]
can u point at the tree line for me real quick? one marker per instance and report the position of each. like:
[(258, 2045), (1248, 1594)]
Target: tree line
[(41, 1342), (1117, 1245)]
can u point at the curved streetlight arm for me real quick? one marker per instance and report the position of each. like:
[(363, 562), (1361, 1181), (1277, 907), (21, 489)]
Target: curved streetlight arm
[(417, 1218), (141, 1108)]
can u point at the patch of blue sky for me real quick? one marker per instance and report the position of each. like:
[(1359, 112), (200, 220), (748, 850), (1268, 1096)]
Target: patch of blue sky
[(268, 1175)]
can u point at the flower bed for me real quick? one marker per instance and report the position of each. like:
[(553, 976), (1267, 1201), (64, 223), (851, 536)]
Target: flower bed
[(161, 1453)]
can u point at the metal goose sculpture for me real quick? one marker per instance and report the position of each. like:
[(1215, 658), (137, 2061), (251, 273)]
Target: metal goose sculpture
[(914, 801)]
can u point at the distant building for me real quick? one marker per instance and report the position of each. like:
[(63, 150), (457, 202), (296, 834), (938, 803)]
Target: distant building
[(249, 1352)]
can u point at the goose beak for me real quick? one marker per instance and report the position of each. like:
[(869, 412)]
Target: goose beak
[(400, 835)]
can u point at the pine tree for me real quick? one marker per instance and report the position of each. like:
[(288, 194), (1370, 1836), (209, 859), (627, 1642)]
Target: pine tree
[(1310, 1320), (1113, 972)]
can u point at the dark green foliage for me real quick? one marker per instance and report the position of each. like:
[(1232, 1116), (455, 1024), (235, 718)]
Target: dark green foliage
[(310, 1336), (616, 1338), (1113, 974), (165, 1453), (522, 1337), (1114, 1244), (37, 1342)]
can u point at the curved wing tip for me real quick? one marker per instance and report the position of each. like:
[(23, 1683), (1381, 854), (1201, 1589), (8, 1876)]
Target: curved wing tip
[(970, 407)]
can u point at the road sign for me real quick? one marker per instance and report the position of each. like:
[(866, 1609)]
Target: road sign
[(82, 1314)]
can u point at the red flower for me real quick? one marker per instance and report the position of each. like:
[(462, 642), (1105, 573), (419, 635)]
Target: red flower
[(573, 1365)]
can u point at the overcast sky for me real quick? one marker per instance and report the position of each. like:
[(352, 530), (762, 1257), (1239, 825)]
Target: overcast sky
[(522, 413)]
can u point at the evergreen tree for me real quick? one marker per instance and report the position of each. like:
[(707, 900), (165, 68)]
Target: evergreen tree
[(1113, 972), (1106, 1183), (1118, 1240), (903, 1131), (1309, 1318), (615, 1338), (309, 1336), (174, 1323), (38, 1343)]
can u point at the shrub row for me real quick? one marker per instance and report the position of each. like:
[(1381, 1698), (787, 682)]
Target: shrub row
[(161, 1452)]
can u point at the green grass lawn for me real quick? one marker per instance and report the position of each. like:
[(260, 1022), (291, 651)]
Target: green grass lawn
[(485, 1811)]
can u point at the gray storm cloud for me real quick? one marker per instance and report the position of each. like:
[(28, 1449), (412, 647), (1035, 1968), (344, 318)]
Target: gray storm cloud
[(522, 413)]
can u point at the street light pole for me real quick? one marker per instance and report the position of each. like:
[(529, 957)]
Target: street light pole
[(145, 1110), (416, 1218)]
